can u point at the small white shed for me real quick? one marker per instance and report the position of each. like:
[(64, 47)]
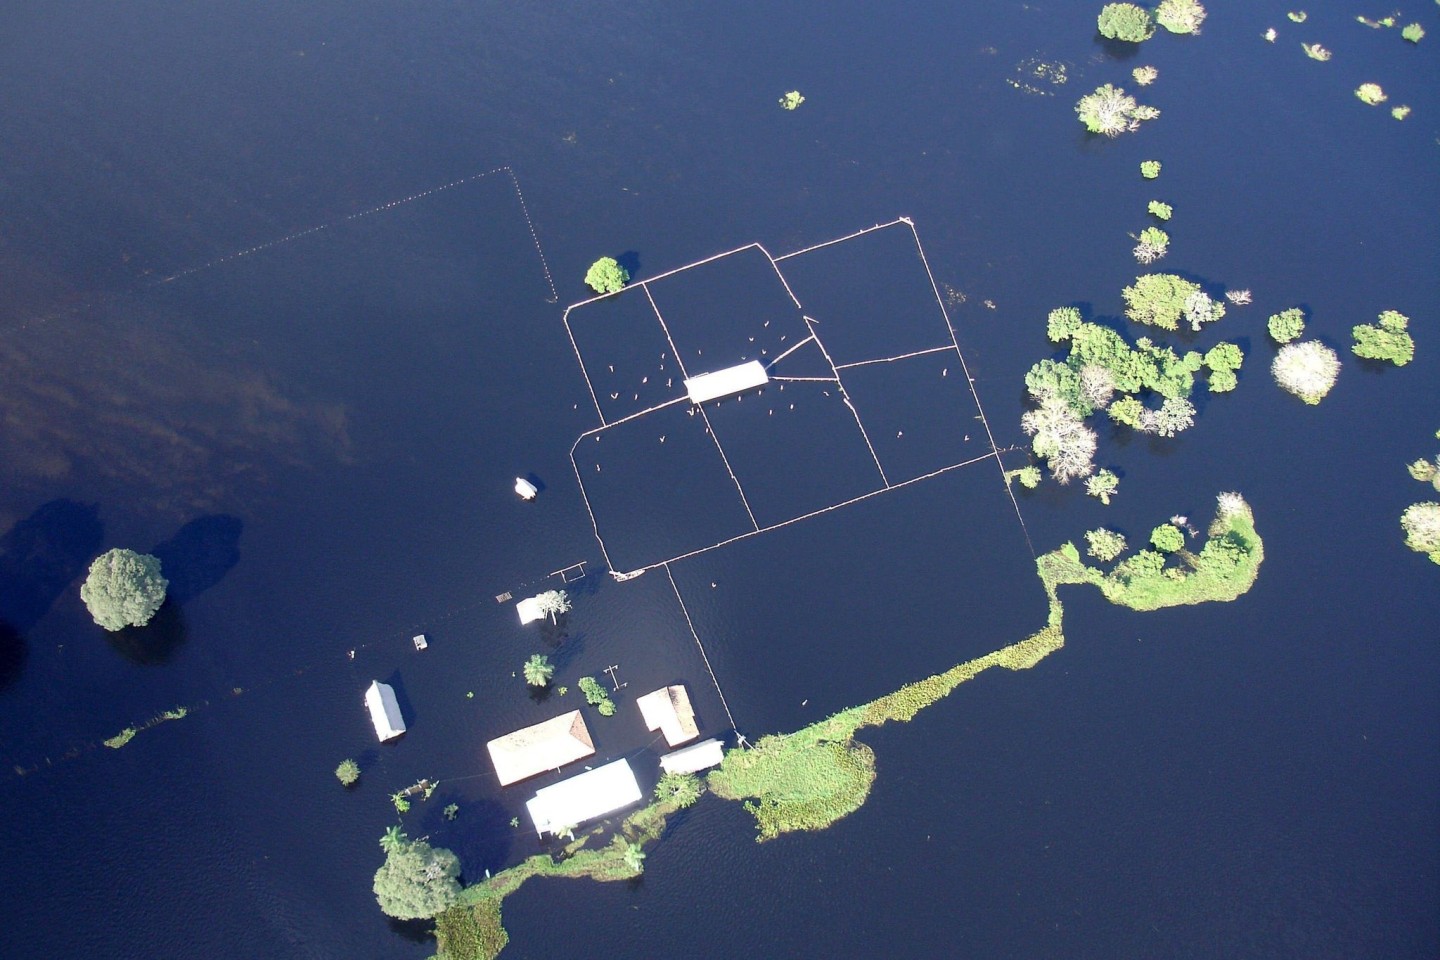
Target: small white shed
[(529, 610), (526, 489), (700, 756), (384, 711)]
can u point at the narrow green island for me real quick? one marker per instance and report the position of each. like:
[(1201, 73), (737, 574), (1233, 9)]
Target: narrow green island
[(809, 779)]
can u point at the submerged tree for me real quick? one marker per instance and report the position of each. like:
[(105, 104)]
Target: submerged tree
[(124, 589), (1307, 369), (1386, 340), (1371, 93), (1104, 545), (1180, 16), (1112, 111), (680, 789), (606, 275), (1061, 439), (1167, 538), (416, 881), (635, 857), (538, 670), (348, 772), (1421, 523), (553, 603), (1153, 243), (1102, 486), (1159, 210), (791, 100), (1125, 21), (1158, 299), (1286, 325)]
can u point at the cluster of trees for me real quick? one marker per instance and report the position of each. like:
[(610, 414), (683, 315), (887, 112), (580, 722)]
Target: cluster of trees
[(1386, 340), (1134, 24), (1101, 364), (1421, 521), (416, 881), (123, 589), (1163, 299), (596, 696), (1112, 111), (1152, 244)]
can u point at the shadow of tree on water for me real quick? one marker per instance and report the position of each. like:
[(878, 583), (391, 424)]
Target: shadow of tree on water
[(155, 643), (39, 558), (199, 555)]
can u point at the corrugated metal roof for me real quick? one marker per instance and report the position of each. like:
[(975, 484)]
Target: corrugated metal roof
[(724, 383), (669, 711), (384, 710), (592, 794), (543, 746)]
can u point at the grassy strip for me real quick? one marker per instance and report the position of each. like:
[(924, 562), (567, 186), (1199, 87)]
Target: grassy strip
[(809, 779), (128, 734), (1225, 568), (473, 930)]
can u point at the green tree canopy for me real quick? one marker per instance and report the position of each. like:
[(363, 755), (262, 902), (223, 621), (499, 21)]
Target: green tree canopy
[(1387, 340), (417, 881), (606, 275), (348, 772), (1158, 299), (1125, 21), (124, 589), (1167, 538), (1286, 325)]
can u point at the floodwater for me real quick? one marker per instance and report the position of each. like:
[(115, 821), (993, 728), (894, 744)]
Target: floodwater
[(317, 430)]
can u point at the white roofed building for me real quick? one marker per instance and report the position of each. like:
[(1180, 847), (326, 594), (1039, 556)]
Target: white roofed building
[(384, 710), (529, 610), (727, 382), (669, 711), (544, 746), (696, 757), (592, 794)]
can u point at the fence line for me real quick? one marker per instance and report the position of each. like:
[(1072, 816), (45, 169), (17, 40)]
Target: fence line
[(703, 655), (903, 356)]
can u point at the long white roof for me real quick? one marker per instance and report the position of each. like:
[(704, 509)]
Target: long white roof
[(724, 383), (384, 710), (592, 794), (699, 756)]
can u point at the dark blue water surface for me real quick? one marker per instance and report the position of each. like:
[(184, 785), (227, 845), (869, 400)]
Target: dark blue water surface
[(319, 437)]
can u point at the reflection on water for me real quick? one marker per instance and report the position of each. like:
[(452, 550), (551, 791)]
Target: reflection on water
[(125, 398)]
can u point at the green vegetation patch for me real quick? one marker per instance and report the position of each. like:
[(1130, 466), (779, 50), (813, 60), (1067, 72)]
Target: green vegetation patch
[(1159, 210), (1158, 299), (1413, 32), (791, 99), (596, 696), (348, 773), (121, 738), (538, 670), (1316, 52), (1386, 340), (1149, 169), (1102, 486), (1225, 568)]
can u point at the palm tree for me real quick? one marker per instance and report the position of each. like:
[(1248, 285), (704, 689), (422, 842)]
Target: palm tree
[(393, 840), (538, 670), (635, 857)]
